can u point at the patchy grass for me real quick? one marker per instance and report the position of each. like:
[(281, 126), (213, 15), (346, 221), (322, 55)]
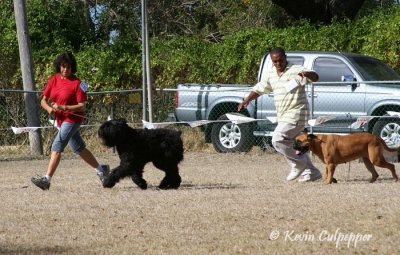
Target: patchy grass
[(227, 204)]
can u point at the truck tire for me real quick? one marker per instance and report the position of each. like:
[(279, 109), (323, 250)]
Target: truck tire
[(389, 130), (230, 137)]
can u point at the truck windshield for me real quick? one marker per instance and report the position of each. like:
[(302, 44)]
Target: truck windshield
[(372, 69)]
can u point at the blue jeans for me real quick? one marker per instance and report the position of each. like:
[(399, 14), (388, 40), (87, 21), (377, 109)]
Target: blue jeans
[(68, 134)]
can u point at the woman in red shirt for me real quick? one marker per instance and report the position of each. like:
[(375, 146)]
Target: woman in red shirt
[(65, 97)]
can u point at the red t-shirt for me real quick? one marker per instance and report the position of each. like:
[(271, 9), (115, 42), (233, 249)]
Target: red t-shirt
[(66, 92)]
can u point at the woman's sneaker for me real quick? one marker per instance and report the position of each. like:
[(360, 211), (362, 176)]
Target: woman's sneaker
[(104, 174), (41, 181)]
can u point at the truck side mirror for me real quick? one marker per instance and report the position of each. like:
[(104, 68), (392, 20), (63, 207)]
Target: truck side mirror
[(350, 77)]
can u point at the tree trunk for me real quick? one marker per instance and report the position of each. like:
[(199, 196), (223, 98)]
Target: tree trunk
[(31, 103)]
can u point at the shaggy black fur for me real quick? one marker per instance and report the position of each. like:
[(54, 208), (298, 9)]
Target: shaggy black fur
[(137, 147)]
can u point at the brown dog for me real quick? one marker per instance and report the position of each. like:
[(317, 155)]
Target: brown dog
[(338, 149)]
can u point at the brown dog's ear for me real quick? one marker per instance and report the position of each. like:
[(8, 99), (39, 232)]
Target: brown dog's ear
[(305, 130), (310, 136)]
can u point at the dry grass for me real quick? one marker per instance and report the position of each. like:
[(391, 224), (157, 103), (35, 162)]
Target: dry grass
[(193, 140), (227, 204)]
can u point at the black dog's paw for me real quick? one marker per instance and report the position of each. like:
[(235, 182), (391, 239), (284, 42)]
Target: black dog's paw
[(169, 184), (141, 183), (108, 182)]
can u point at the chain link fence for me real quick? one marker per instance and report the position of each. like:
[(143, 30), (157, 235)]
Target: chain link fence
[(211, 120), (336, 107), (100, 106)]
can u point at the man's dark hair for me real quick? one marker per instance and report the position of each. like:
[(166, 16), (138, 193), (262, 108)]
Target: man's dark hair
[(65, 58), (278, 50)]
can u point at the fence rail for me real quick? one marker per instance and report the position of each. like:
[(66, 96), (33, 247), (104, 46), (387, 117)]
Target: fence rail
[(100, 106), (343, 106)]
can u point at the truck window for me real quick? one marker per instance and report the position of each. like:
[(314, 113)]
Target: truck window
[(331, 69), (295, 60), (372, 69)]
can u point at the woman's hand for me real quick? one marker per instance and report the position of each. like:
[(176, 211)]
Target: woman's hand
[(59, 107)]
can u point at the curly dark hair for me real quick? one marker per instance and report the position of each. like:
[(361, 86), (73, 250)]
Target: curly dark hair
[(278, 50), (65, 58)]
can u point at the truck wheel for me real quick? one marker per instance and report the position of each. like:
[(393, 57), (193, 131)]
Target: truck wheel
[(389, 130), (230, 137)]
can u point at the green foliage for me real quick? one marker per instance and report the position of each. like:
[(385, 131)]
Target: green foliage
[(237, 58), (113, 67), (67, 16), (379, 34), (183, 59), (193, 60), (9, 59)]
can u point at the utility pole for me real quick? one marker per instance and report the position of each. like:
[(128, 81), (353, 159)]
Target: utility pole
[(147, 87), (30, 98)]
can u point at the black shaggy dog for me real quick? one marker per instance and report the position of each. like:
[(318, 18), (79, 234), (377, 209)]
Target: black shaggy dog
[(137, 147)]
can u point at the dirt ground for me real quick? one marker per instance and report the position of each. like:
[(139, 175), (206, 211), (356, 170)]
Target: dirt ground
[(227, 204)]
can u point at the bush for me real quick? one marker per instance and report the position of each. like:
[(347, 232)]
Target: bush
[(233, 60)]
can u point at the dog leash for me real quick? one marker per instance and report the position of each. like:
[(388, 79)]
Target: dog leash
[(81, 116)]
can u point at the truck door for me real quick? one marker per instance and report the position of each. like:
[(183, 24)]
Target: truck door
[(345, 102)]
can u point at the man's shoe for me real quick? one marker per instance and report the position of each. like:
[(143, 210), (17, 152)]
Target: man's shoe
[(41, 181), (294, 174), (310, 177), (104, 174)]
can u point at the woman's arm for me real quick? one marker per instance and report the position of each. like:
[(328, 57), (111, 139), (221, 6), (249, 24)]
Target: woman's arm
[(45, 104), (80, 107)]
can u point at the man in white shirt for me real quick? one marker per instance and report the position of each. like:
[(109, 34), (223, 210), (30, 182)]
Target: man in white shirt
[(288, 84)]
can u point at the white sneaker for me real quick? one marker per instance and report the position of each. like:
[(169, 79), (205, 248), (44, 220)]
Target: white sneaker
[(294, 174), (104, 174), (310, 177)]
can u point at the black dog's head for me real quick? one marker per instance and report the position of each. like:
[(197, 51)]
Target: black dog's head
[(302, 142), (113, 132)]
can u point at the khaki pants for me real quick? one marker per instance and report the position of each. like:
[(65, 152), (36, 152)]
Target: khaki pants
[(283, 139)]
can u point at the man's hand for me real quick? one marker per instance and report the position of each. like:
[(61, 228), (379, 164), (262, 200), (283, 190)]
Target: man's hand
[(313, 76), (253, 95), (242, 105)]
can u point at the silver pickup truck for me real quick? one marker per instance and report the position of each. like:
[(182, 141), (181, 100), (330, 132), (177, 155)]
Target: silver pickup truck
[(351, 87)]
